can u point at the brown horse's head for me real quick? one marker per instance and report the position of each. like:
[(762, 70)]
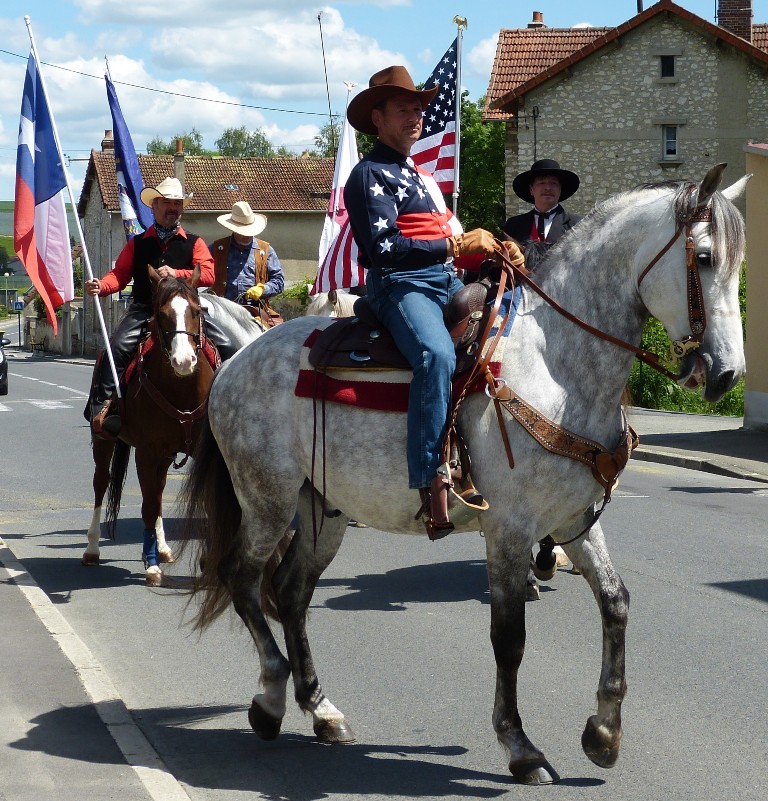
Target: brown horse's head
[(176, 321)]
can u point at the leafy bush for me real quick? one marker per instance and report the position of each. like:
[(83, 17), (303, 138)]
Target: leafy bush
[(293, 301)]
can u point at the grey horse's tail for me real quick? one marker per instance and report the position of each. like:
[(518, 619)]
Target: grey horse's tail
[(211, 514)]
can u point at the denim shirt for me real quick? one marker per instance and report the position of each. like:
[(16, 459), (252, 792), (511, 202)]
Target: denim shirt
[(241, 271)]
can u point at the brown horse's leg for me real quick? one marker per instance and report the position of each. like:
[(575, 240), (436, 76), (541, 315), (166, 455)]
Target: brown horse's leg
[(152, 472), (507, 573), (102, 455)]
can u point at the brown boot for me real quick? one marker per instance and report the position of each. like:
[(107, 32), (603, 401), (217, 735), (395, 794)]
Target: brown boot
[(435, 501), (103, 424)]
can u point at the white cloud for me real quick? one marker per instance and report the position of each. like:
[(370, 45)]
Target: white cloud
[(479, 61)]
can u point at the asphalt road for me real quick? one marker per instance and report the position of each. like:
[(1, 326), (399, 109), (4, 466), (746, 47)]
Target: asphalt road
[(399, 628)]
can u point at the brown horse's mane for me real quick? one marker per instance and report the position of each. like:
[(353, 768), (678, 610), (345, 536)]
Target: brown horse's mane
[(172, 287)]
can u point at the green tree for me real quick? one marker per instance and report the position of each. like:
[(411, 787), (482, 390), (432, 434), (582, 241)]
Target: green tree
[(192, 142), (240, 142), (3, 257), (327, 140), (481, 169)]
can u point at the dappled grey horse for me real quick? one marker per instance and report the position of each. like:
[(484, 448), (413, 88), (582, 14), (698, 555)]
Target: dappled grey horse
[(635, 255)]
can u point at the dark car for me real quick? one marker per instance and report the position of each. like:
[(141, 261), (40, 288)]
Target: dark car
[(3, 366)]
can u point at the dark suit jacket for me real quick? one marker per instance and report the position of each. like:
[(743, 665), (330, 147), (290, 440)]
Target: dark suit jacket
[(519, 227)]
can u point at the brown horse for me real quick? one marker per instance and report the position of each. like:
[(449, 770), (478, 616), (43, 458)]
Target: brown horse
[(165, 399)]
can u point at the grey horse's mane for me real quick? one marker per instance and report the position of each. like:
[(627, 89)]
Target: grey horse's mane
[(220, 307), (727, 223)]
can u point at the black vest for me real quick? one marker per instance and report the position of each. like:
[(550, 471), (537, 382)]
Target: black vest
[(149, 250)]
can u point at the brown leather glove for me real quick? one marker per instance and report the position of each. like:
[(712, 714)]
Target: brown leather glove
[(513, 252), (476, 241)]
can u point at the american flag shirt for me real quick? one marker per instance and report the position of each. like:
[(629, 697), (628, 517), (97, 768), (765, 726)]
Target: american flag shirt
[(397, 222)]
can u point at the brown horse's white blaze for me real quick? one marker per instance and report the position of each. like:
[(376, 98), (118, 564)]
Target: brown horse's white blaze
[(182, 351)]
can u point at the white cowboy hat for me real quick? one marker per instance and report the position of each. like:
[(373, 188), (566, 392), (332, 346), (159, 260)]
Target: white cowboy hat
[(169, 188), (243, 219)]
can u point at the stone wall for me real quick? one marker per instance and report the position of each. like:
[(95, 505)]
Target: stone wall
[(604, 118)]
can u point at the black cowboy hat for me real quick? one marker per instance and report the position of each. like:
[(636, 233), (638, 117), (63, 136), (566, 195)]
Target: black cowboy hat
[(384, 84), (569, 181)]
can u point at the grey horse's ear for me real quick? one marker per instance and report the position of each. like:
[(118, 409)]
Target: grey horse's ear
[(736, 190), (710, 184)]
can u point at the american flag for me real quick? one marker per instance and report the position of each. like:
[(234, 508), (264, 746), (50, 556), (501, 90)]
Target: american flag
[(436, 149)]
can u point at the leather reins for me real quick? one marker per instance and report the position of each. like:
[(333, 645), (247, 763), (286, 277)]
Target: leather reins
[(605, 465), (186, 418)]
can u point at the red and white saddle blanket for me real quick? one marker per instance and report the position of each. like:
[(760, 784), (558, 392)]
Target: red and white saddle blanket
[(382, 390)]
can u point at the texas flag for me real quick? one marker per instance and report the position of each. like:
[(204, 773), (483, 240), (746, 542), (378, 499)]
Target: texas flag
[(40, 229)]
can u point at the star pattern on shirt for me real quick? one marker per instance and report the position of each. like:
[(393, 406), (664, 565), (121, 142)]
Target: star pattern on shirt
[(402, 194), (381, 223), (386, 246), (377, 189)]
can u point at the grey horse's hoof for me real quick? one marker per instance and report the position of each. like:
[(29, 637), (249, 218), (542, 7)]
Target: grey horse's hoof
[(264, 724), (334, 732), (90, 559), (534, 774), (603, 750)]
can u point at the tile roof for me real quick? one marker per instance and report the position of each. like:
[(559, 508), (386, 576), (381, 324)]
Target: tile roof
[(524, 53), (268, 184), (527, 57)]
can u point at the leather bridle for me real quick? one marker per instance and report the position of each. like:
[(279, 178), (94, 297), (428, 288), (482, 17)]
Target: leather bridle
[(696, 312)]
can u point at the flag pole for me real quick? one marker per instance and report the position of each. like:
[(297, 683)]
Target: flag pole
[(86, 258), (461, 23)]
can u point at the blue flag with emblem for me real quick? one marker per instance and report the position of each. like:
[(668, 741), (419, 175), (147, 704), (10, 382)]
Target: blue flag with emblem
[(136, 216)]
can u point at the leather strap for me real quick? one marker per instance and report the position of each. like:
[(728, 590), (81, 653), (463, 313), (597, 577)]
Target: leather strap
[(606, 466)]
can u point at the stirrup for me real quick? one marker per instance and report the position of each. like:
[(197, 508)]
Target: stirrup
[(105, 425), (434, 507)]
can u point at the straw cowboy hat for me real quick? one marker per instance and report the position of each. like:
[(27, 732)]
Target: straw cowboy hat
[(169, 188), (243, 220), (569, 181), (383, 85)]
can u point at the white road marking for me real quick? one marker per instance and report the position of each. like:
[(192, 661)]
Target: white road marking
[(78, 392), (4, 408), (52, 404)]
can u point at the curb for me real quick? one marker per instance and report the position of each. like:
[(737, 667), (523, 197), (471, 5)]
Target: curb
[(139, 754), (696, 463)]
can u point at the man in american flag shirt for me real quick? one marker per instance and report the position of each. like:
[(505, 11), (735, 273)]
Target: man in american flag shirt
[(407, 245)]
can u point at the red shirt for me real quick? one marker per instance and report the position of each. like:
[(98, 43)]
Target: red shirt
[(122, 273)]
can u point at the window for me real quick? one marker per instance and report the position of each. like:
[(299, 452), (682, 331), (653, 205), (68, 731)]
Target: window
[(667, 66), (669, 142)]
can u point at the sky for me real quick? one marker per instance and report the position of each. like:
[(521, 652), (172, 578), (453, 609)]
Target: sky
[(261, 60)]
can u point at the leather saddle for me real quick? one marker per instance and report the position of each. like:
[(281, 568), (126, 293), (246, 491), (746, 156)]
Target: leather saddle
[(362, 343)]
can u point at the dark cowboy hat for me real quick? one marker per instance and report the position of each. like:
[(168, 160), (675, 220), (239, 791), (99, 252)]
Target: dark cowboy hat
[(387, 83), (569, 181)]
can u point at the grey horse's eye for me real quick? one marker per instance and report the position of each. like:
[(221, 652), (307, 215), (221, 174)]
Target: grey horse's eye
[(704, 259)]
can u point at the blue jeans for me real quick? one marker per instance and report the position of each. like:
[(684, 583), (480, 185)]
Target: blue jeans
[(410, 304)]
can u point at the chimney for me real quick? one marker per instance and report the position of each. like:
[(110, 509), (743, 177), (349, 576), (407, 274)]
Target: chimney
[(108, 142), (178, 161), (736, 16), (537, 21)]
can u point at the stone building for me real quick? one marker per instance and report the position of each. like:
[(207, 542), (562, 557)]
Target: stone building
[(663, 96)]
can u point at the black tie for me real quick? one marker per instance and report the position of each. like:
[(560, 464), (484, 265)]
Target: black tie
[(540, 226)]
